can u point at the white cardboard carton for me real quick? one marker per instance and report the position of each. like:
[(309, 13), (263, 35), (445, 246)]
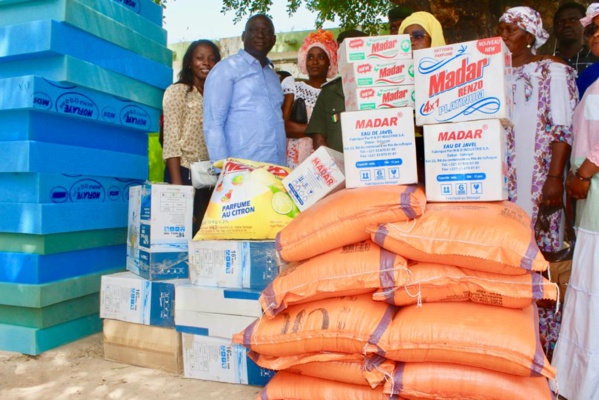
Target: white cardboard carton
[(321, 174), (464, 82), (379, 147), (377, 97), (128, 297), (216, 359), (218, 300), (159, 227), (233, 263), (210, 324), (376, 73), (466, 161), (397, 47)]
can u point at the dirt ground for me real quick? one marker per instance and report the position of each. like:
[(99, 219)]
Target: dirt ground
[(78, 371)]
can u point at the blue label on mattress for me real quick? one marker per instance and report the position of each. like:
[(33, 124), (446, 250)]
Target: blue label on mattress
[(135, 116), (59, 194), (134, 5), (74, 103), (87, 190), (42, 101), (109, 114), (114, 193)]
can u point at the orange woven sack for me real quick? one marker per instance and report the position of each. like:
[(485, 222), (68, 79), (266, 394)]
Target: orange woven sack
[(431, 283), (340, 324), (350, 270), (500, 339), (348, 368), (494, 237), (459, 382), (342, 218), (288, 386)]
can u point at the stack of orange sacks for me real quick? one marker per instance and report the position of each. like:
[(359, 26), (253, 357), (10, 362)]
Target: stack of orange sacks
[(382, 299)]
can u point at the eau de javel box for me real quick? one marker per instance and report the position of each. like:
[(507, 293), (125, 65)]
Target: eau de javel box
[(464, 82), (378, 147), (159, 229), (466, 161), (318, 176)]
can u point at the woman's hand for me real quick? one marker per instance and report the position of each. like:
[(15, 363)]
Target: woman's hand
[(553, 192), (577, 188)]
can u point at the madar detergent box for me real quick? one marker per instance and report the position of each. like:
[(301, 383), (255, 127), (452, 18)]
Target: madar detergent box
[(390, 47), (379, 147), (466, 161), (464, 82), (377, 73), (375, 97)]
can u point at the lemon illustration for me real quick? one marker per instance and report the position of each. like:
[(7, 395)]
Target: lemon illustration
[(282, 203)]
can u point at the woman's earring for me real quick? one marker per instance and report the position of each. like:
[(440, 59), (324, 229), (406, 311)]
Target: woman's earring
[(528, 46)]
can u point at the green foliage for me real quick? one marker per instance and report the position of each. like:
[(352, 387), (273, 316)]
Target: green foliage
[(161, 3), (351, 14)]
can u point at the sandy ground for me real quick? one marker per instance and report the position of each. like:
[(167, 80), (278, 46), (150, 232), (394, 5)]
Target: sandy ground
[(78, 371)]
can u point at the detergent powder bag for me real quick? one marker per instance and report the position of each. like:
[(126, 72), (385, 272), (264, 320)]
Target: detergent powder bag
[(248, 202)]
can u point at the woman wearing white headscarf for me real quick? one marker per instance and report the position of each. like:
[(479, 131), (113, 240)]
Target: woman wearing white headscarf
[(539, 143)]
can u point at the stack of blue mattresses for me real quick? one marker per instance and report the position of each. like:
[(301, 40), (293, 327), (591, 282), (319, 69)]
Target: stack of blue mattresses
[(81, 84)]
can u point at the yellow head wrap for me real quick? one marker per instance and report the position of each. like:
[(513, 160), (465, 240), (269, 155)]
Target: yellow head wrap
[(430, 24)]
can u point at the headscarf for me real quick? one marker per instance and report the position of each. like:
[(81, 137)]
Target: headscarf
[(592, 12), (324, 40), (528, 20), (431, 25)]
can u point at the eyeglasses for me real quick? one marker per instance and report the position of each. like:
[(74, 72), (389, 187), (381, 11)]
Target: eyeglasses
[(418, 35), (263, 31), (590, 30)]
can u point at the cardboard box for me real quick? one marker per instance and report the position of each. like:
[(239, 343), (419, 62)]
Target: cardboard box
[(379, 147), (159, 228), (218, 300), (143, 345), (216, 359), (379, 73), (464, 82), (131, 298), (378, 97), (233, 263), (321, 174), (387, 47), (466, 161), (210, 324)]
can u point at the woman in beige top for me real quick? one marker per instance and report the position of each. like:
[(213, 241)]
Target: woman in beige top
[(183, 109)]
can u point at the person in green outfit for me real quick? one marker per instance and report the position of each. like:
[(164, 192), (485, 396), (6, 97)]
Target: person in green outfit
[(325, 125)]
